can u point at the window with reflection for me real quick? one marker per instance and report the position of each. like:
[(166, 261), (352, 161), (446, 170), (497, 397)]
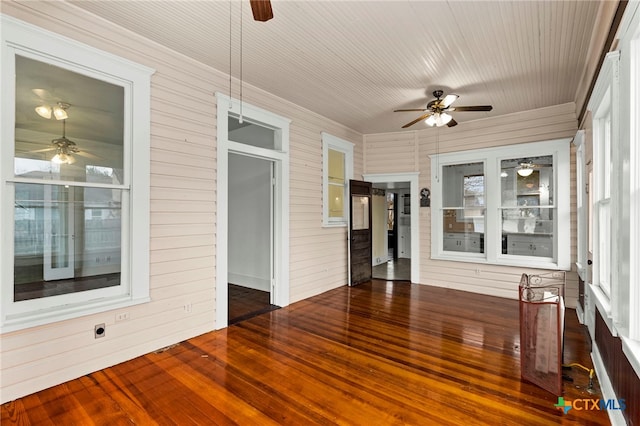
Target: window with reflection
[(507, 205), (463, 207), (527, 206), (74, 178), (68, 128)]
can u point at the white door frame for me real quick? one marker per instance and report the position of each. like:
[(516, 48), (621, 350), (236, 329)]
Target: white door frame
[(64, 235), (280, 157), (412, 178)]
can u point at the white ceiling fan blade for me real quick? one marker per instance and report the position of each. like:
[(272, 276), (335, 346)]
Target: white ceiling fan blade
[(448, 100)]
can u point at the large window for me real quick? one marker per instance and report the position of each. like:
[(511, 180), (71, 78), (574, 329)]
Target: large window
[(72, 135), (337, 170), (507, 205), (602, 104)]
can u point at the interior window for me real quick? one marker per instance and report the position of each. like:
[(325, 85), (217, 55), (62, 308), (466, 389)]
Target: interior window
[(68, 128), (527, 206), (501, 205), (75, 132), (337, 170)]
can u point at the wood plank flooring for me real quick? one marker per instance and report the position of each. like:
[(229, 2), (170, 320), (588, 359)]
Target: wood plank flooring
[(394, 270), (381, 353), (245, 303)]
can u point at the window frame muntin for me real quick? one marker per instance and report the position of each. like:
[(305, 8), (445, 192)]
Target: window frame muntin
[(20, 38)]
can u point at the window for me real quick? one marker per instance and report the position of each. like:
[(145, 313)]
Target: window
[(67, 173), (337, 170), (602, 104), (507, 205)]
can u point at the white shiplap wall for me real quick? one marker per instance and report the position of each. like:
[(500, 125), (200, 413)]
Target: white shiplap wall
[(183, 212), (394, 152)]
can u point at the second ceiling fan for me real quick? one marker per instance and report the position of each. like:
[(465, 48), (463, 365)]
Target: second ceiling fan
[(437, 111)]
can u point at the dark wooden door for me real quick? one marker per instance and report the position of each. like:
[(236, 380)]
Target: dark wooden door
[(360, 231)]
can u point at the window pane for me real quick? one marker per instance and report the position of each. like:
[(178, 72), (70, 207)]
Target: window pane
[(92, 133), (604, 249), (336, 167), (527, 206), (360, 214), (252, 134), (336, 201), (66, 240), (464, 212)]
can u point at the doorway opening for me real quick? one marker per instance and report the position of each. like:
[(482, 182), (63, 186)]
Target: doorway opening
[(392, 231), (395, 242), (252, 226), (250, 242)]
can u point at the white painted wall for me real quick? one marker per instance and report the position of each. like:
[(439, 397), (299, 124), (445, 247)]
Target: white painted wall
[(249, 222)]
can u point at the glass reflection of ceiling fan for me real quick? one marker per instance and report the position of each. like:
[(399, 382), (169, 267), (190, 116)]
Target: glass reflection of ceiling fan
[(65, 148)]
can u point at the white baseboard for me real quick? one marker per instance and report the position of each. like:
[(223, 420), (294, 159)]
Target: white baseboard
[(580, 313), (616, 417), (255, 283)]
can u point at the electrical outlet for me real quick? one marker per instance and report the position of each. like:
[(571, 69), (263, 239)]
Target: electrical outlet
[(188, 308), (100, 330), (122, 316)]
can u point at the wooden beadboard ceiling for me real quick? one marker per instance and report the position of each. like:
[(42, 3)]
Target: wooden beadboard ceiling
[(357, 61)]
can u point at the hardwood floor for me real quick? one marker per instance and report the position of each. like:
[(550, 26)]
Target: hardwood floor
[(377, 354), (245, 303), (398, 269)]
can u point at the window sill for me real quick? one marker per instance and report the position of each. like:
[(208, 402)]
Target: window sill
[(631, 349), (603, 304), (47, 316), (334, 225), (480, 258)]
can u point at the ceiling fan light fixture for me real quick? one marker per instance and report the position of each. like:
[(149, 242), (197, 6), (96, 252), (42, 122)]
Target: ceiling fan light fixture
[(60, 111), (443, 119), (525, 170), (431, 120), (44, 111)]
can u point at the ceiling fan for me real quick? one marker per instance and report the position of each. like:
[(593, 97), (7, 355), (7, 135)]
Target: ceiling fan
[(261, 10), (65, 148), (438, 111)]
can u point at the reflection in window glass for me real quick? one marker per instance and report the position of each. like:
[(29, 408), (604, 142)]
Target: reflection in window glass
[(528, 209), (360, 212), (60, 245), (463, 215), (69, 127), (49, 145)]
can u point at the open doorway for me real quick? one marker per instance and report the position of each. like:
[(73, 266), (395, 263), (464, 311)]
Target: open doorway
[(392, 231), (253, 164), (403, 242), (250, 242)]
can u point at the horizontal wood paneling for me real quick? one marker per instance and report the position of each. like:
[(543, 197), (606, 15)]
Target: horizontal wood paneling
[(530, 126)]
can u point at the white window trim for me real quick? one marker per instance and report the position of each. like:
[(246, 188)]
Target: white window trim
[(37, 43), (582, 206), (603, 104), (491, 157), (336, 144)]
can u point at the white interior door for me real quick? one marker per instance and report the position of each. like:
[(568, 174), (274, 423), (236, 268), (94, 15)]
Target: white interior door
[(58, 262)]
